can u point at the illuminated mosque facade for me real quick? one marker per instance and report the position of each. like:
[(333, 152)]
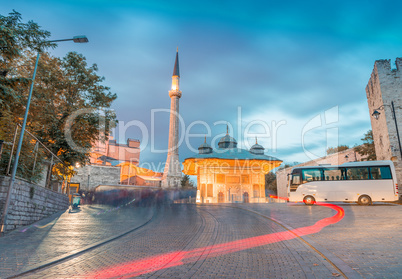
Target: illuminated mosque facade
[(229, 174)]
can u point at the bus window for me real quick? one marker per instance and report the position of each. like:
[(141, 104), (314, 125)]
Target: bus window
[(332, 174), (357, 173), (380, 173), (311, 175)]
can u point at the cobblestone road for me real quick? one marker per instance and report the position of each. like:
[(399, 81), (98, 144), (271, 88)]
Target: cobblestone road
[(214, 241)]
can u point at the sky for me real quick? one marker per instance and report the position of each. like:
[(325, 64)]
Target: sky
[(291, 73)]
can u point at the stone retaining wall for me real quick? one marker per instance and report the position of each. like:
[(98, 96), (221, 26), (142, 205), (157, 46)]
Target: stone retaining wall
[(29, 202), (91, 176)]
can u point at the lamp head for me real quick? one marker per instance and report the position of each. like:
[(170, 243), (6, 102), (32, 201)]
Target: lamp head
[(376, 114), (80, 39)]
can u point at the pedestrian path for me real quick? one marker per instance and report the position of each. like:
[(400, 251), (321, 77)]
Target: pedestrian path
[(66, 233)]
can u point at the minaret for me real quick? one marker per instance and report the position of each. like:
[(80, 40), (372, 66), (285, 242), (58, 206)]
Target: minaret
[(172, 171)]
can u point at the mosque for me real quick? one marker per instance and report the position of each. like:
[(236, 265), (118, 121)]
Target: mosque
[(229, 174)]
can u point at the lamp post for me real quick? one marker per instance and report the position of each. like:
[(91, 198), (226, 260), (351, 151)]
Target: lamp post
[(376, 115), (76, 39)]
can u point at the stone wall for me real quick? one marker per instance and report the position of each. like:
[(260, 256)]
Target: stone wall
[(384, 87), (91, 176), (339, 158), (29, 202)]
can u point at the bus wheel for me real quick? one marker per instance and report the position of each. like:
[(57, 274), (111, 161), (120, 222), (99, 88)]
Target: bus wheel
[(364, 200), (309, 200)]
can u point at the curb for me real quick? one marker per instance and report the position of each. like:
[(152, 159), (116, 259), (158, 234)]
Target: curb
[(79, 251)]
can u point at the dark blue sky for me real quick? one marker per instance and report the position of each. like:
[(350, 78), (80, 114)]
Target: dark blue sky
[(283, 64)]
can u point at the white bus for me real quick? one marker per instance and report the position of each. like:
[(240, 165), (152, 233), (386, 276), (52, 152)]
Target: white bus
[(361, 182)]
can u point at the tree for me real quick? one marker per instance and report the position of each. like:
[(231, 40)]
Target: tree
[(16, 38), (69, 106), (333, 150), (270, 183), (270, 179), (367, 149), (186, 183)]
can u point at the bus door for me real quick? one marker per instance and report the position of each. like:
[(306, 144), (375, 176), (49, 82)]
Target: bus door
[(294, 181)]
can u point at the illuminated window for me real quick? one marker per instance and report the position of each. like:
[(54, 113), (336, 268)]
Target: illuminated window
[(256, 190), (210, 190), (220, 178), (202, 190), (233, 179), (245, 179)]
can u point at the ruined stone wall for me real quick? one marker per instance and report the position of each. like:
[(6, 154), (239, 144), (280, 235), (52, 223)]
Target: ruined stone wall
[(29, 202), (384, 87), (92, 176)]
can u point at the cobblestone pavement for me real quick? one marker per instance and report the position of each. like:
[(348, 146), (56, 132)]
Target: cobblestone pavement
[(66, 233), (367, 239), (219, 241)]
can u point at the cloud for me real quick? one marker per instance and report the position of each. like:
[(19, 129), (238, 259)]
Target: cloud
[(279, 61)]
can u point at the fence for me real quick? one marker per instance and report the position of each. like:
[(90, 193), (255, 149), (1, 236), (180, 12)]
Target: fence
[(37, 163)]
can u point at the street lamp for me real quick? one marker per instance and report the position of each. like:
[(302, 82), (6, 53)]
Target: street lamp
[(376, 115), (76, 39)]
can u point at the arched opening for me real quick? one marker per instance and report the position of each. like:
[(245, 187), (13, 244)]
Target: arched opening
[(221, 197), (245, 197)]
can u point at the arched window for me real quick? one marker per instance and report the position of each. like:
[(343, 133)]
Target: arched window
[(245, 197)]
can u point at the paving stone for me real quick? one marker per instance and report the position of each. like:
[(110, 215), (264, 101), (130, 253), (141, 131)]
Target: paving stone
[(212, 241)]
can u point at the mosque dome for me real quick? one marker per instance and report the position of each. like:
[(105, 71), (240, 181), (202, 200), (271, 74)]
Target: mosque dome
[(227, 141), (204, 148), (257, 149)]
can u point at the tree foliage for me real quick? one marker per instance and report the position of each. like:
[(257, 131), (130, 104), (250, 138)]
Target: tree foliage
[(70, 106), (270, 183), (339, 148), (186, 183), (270, 180), (367, 149)]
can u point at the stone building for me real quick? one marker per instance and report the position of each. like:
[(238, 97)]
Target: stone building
[(384, 97), (105, 153), (230, 174), (91, 176), (348, 155), (131, 174)]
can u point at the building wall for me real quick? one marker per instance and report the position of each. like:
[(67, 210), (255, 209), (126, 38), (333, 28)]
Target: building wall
[(385, 86), (129, 152), (339, 158), (232, 184), (29, 202), (92, 176)]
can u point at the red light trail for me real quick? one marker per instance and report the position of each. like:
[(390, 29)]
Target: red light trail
[(163, 261)]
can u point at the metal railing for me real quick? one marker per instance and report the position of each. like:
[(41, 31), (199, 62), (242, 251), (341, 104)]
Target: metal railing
[(37, 161)]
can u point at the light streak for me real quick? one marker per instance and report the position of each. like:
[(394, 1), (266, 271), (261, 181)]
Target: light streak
[(98, 213), (37, 226), (115, 208), (163, 261), (279, 198)]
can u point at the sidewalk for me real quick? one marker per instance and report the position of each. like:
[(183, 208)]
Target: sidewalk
[(66, 233)]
